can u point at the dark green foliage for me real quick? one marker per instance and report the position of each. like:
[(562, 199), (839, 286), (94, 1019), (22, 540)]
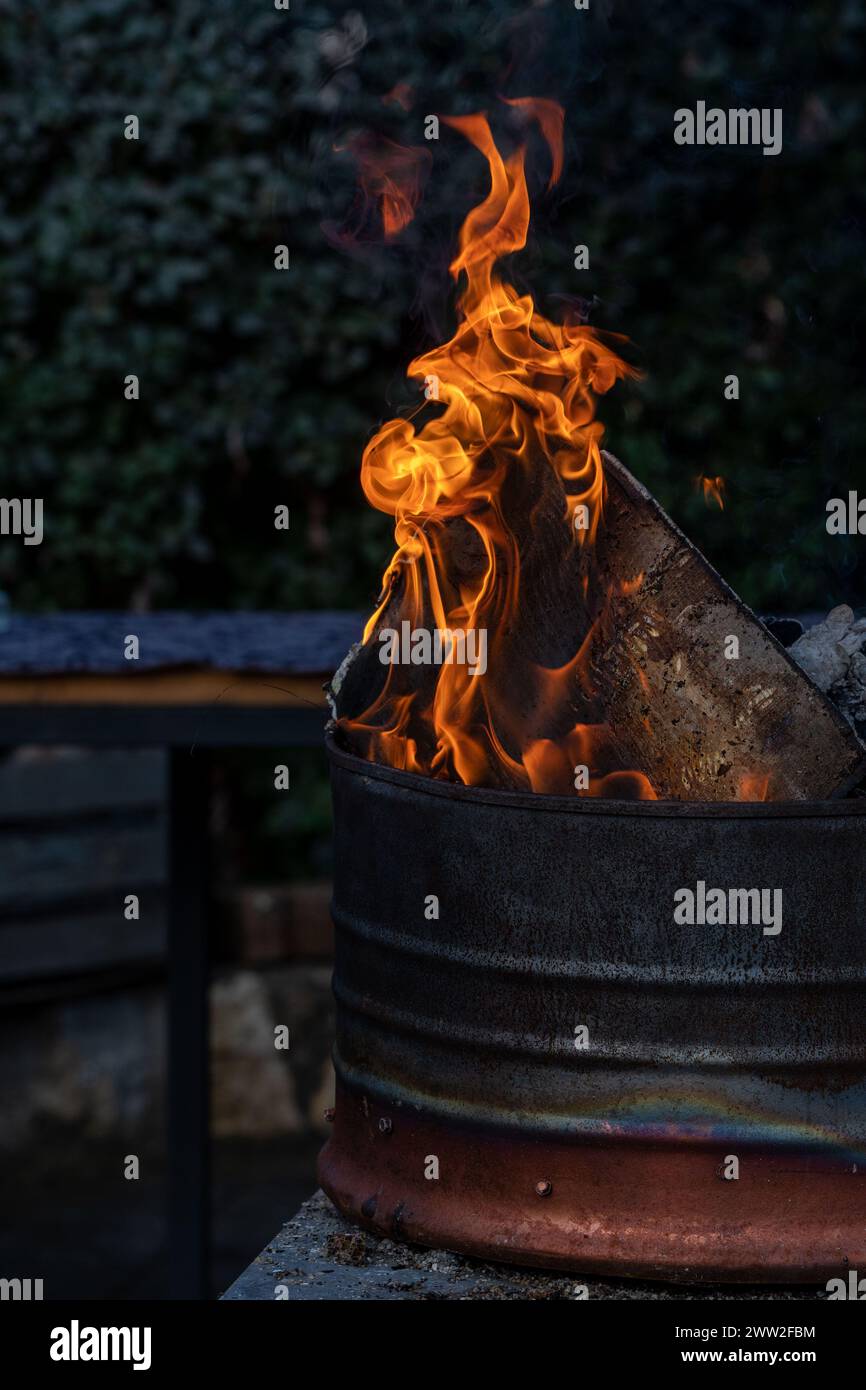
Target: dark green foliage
[(268, 835), (257, 387)]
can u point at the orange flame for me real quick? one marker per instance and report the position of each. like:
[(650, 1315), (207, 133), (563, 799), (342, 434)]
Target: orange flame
[(714, 489), (391, 178), (551, 118), (515, 440), (753, 786)]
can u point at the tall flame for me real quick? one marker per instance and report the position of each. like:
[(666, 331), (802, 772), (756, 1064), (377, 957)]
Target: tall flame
[(515, 444)]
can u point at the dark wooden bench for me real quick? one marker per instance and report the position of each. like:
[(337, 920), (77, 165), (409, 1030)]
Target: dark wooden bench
[(77, 834), (201, 681)]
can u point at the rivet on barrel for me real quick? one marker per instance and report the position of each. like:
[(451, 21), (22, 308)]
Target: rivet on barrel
[(544, 1188), (385, 1125)]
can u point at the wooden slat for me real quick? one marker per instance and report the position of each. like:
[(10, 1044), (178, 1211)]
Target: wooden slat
[(40, 870), (78, 785), (193, 687), (703, 726), (73, 944), (216, 725)]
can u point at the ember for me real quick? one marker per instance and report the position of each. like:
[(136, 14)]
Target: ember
[(713, 489)]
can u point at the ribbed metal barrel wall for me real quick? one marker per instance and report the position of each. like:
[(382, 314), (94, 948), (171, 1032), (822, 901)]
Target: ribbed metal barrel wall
[(535, 1062)]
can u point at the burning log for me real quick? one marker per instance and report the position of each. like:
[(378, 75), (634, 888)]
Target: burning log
[(697, 695), (698, 692), (539, 634)]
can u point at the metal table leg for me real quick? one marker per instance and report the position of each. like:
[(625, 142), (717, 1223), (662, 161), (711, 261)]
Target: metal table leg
[(188, 1072)]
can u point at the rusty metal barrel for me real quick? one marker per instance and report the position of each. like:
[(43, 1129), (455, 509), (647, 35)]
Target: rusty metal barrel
[(538, 1062)]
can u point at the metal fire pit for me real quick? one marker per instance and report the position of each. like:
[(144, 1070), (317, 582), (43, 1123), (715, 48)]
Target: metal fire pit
[(456, 1035)]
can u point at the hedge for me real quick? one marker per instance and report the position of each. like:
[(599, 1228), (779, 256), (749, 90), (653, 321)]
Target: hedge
[(258, 387)]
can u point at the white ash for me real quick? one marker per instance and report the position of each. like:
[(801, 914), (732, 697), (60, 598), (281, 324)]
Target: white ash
[(332, 689), (833, 654)]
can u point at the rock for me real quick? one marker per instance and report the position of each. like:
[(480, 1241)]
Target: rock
[(251, 1087)]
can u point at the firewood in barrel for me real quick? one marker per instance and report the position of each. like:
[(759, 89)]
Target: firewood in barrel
[(506, 575), (697, 692), (544, 626)]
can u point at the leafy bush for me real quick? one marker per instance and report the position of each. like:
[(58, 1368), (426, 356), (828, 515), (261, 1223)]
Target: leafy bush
[(259, 387)]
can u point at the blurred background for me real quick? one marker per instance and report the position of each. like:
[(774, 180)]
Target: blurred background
[(260, 388)]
